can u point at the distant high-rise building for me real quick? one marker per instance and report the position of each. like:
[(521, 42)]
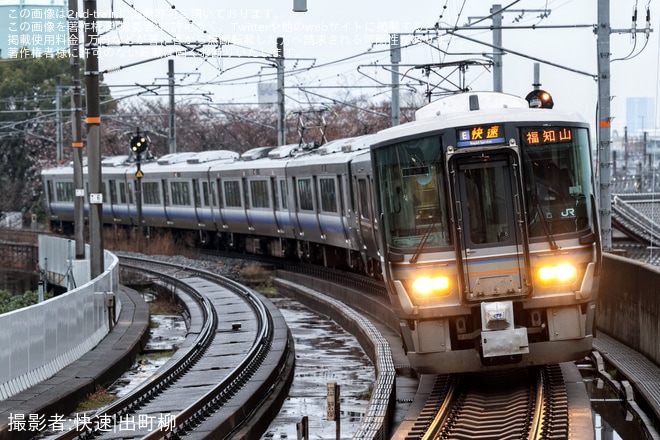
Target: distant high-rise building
[(37, 25), (640, 115)]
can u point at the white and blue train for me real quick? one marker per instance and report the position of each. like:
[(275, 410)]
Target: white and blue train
[(480, 216)]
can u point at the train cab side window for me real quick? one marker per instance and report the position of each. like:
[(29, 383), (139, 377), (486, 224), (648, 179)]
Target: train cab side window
[(412, 184)]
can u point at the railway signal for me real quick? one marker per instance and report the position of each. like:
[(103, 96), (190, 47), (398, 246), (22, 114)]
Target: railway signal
[(539, 99), (139, 144)]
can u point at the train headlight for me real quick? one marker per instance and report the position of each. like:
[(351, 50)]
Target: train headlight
[(431, 286), (561, 274)]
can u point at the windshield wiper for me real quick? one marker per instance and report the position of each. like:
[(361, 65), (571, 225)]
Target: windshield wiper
[(425, 237), (544, 224)]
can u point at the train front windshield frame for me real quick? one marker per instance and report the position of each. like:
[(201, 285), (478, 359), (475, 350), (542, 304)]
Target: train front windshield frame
[(557, 175), (413, 193)]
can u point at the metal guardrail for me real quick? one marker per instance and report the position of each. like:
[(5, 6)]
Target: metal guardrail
[(38, 341)]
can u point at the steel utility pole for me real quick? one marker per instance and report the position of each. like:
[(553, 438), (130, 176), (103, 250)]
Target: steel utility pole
[(604, 123), (497, 53), (279, 61), (58, 116), (172, 132), (93, 140), (76, 130), (395, 58)]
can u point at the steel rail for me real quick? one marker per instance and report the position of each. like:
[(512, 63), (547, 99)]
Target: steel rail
[(215, 398)]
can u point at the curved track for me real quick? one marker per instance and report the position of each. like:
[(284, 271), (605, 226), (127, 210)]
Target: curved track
[(192, 392)]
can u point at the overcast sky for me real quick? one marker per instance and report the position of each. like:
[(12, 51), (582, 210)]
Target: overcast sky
[(345, 43)]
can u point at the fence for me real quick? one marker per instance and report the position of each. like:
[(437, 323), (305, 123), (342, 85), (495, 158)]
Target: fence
[(38, 341)]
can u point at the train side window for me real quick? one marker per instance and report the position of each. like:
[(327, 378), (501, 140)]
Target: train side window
[(214, 190), (195, 188), (305, 195), (180, 193), (49, 189), (221, 198), (113, 192), (276, 200), (150, 194), (64, 191), (122, 192), (130, 193), (365, 211), (232, 194), (259, 194), (166, 194), (205, 193), (328, 194), (284, 199)]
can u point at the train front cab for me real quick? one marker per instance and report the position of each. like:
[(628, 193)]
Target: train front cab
[(486, 267)]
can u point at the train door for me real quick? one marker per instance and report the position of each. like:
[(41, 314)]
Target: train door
[(491, 240), (366, 220)]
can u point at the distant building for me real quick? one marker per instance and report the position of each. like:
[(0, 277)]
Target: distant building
[(640, 115), (38, 25)]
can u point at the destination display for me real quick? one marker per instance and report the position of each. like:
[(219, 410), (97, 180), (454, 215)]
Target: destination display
[(541, 136), (480, 135)]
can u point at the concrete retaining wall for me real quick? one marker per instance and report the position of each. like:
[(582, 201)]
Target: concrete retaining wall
[(38, 341), (628, 306)]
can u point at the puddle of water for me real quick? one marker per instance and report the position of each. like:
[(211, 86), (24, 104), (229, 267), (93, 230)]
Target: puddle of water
[(611, 421), (324, 353), (166, 334)]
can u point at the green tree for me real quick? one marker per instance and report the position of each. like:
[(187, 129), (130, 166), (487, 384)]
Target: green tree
[(28, 120)]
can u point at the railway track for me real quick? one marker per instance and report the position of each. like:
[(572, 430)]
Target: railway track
[(202, 389), (516, 404)]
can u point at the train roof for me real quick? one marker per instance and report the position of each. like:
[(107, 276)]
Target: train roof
[(473, 108)]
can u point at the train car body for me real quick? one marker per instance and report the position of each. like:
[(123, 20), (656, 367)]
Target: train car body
[(480, 216), (489, 242)]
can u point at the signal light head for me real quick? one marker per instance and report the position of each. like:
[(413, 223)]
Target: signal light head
[(539, 99), (138, 144)]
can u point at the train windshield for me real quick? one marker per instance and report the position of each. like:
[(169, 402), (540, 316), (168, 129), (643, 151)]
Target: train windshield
[(412, 193), (557, 178)]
